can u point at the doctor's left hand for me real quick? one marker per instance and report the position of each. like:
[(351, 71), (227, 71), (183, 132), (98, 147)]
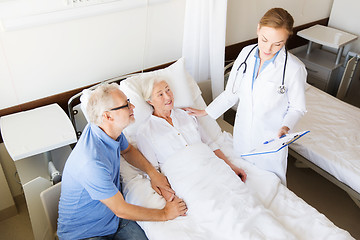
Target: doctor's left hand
[(159, 181), (283, 131)]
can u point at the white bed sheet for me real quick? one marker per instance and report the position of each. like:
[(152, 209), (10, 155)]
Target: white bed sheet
[(333, 143), (301, 219), (216, 214)]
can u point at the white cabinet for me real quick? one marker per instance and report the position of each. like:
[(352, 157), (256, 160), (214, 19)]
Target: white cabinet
[(324, 66), (323, 73), (27, 136)]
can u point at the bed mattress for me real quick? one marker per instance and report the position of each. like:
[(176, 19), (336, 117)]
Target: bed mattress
[(333, 143)]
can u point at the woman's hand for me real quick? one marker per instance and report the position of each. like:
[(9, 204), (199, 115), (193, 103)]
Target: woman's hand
[(195, 112), (283, 131), (240, 172)]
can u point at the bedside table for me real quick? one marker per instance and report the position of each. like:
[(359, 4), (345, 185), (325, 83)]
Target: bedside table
[(29, 136), (324, 66)]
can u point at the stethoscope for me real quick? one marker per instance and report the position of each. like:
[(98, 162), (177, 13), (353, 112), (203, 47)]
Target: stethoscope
[(281, 89)]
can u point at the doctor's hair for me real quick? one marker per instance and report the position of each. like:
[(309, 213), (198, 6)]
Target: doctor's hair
[(100, 101), (148, 86), (278, 18)]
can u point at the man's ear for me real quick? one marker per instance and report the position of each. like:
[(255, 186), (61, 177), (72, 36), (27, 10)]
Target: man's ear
[(149, 102), (107, 115)]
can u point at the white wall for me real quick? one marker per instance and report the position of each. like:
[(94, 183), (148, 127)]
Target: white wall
[(243, 16), (345, 16), (50, 59), (42, 61)]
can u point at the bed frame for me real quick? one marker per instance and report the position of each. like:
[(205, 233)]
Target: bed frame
[(302, 162), (75, 100)]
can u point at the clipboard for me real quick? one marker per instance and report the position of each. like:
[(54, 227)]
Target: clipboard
[(275, 145)]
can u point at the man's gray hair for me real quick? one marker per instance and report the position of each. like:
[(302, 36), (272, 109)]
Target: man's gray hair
[(100, 101), (148, 86)]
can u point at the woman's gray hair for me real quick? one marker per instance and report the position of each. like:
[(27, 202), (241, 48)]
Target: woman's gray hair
[(100, 101), (148, 86)]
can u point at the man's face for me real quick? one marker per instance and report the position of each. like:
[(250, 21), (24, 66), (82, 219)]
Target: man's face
[(124, 116)]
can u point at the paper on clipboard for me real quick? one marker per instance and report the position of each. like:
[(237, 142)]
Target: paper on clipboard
[(275, 145)]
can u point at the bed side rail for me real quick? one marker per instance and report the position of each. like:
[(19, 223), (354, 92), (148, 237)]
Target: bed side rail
[(75, 100)]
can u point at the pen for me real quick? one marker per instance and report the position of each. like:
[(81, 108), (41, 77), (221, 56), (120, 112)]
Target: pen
[(266, 142)]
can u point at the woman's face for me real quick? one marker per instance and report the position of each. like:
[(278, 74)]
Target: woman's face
[(162, 98), (270, 41)]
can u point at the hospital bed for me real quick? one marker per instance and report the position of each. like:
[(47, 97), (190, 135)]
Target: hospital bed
[(332, 148), (302, 220)]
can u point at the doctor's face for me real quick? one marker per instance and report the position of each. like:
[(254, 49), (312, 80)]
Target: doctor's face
[(162, 98), (270, 41)]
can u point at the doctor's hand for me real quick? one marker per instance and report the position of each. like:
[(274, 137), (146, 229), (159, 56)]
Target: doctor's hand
[(195, 112), (283, 130)]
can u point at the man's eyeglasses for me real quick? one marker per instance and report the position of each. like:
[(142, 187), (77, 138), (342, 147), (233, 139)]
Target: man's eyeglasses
[(117, 108)]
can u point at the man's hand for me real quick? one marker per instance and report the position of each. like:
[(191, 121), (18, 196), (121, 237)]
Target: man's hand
[(135, 158), (175, 208), (159, 182)]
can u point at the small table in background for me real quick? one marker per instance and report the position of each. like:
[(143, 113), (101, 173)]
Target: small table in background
[(324, 66), (29, 136)]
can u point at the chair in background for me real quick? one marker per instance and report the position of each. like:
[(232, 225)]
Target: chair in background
[(348, 75), (50, 200)]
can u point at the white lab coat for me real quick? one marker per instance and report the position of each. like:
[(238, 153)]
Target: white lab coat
[(262, 111)]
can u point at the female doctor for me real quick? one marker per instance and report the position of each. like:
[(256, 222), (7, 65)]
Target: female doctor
[(268, 83)]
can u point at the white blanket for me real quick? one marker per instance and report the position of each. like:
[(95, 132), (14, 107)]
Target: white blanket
[(221, 206)]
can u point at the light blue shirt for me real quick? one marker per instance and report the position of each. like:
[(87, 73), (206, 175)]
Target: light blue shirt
[(257, 64), (91, 173)]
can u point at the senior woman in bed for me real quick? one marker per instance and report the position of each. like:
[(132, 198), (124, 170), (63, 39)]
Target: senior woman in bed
[(169, 130)]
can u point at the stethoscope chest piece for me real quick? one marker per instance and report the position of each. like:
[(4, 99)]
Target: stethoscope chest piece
[(281, 89)]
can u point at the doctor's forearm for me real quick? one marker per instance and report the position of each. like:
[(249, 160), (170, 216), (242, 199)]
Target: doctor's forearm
[(291, 118)]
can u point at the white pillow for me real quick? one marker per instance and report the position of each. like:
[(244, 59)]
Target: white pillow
[(84, 98), (184, 87), (181, 83)]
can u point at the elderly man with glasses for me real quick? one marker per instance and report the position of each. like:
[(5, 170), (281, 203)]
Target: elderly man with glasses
[(91, 203)]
